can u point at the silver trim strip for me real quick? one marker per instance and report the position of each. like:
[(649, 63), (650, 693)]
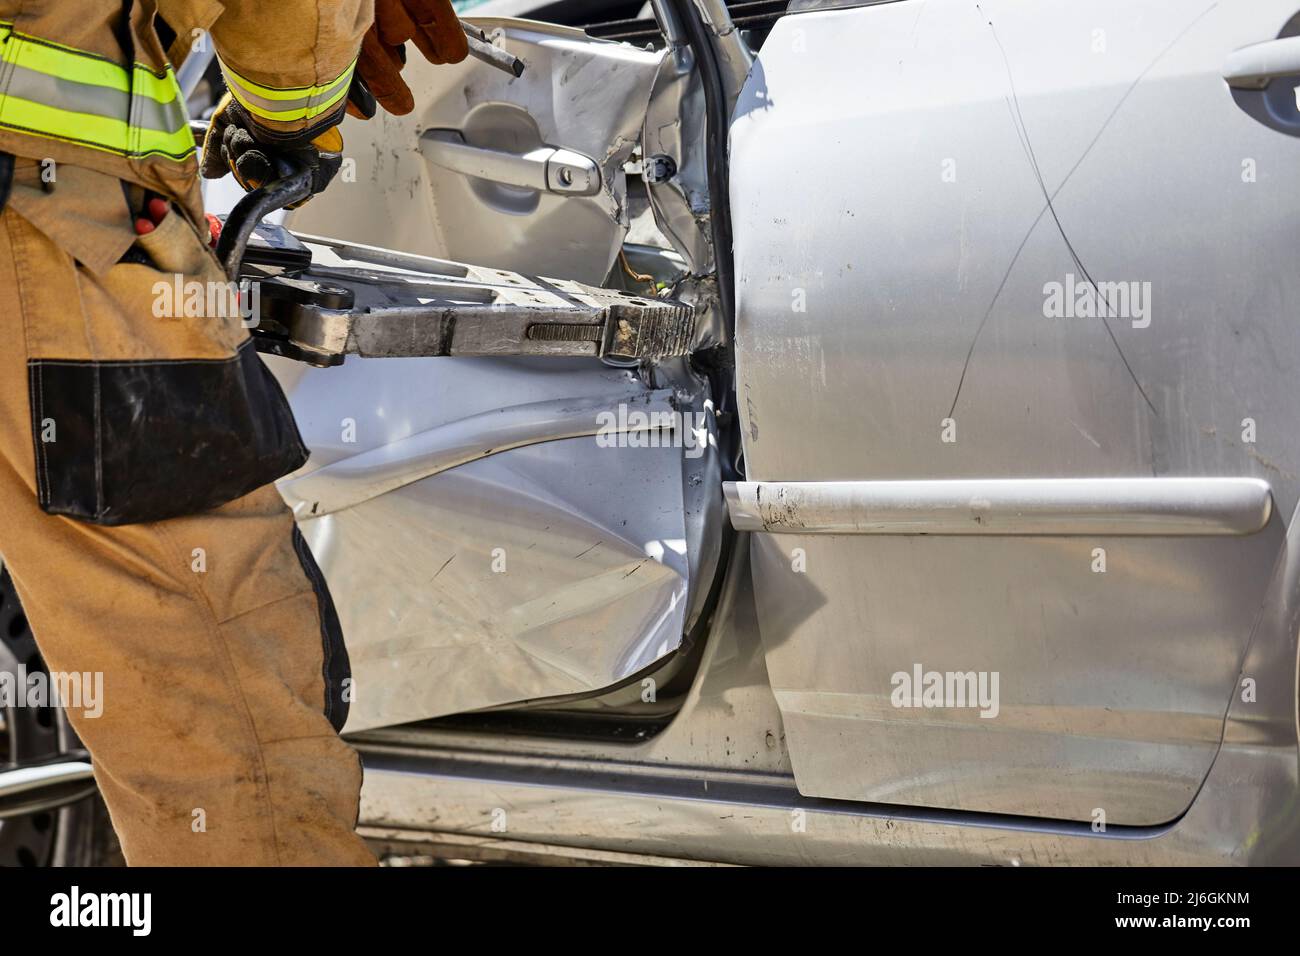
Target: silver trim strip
[(1004, 506)]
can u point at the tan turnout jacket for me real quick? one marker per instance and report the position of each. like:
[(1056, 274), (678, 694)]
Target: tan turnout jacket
[(71, 66)]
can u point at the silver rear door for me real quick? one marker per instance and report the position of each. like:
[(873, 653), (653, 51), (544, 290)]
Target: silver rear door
[(924, 193)]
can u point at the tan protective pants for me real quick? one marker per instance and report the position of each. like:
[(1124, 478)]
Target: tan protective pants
[(213, 746)]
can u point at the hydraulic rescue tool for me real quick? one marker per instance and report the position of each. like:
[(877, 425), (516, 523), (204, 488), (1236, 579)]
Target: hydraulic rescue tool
[(319, 300)]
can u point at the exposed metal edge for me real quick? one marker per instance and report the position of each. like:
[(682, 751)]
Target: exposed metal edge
[(488, 24), (1004, 506), (734, 56), (351, 481)]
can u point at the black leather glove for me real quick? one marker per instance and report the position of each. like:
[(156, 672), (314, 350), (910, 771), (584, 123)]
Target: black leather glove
[(233, 146)]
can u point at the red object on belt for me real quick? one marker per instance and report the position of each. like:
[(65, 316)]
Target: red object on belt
[(214, 229), (156, 210)]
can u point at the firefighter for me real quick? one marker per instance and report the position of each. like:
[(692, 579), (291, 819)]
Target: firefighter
[(138, 517)]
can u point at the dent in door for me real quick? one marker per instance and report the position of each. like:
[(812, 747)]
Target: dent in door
[(473, 564), (524, 174)]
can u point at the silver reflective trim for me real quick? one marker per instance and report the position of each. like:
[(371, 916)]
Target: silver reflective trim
[(1011, 506), (27, 84), (167, 117), (285, 106), (63, 94)]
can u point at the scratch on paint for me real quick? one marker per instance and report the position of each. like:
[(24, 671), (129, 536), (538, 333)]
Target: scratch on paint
[(1048, 206)]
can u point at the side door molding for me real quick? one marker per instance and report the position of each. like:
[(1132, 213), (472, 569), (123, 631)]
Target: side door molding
[(1004, 506)]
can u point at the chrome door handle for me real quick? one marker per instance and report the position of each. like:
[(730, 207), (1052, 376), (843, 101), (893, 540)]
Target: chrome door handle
[(546, 168), (1254, 67)]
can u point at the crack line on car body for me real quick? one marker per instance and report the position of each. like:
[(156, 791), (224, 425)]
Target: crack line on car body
[(441, 569), (1242, 660), (1034, 225), (581, 553), (1023, 132)]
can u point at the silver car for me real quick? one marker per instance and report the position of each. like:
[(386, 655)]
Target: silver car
[(965, 532)]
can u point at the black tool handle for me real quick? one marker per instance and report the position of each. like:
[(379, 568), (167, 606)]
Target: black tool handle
[(294, 185)]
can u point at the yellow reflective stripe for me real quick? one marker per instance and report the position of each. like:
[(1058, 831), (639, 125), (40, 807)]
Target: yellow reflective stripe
[(290, 115), (58, 92), (160, 89), (288, 92), (96, 132), (289, 104), (38, 117), (77, 66), (68, 66)]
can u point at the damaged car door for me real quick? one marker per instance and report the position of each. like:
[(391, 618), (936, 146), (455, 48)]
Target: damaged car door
[(521, 173), (505, 525)]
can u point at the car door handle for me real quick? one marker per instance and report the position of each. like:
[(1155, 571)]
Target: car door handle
[(546, 168), (1254, 67)]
